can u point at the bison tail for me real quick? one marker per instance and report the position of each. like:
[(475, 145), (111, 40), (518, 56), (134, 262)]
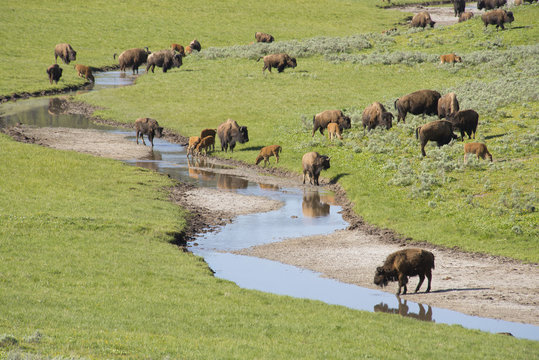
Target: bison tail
[(395, 104), (417, 132), (257, 60), (114, 56)]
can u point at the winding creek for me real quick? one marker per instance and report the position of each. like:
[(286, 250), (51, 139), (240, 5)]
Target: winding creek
[(301, 215)]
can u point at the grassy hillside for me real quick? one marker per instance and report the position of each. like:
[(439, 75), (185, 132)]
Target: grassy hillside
[(84, 274)]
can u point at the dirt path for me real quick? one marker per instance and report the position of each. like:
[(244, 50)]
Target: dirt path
[(470, 283)]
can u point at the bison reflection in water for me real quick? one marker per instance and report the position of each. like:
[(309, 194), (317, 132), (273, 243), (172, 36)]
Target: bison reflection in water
[(57, 106), (194, 172), (227, 182), (312, 206), (404, 310)]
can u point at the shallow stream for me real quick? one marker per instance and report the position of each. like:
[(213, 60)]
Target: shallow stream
[(304, 213)]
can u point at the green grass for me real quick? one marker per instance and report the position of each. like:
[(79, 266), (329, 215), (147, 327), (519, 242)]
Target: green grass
[(85, 253)]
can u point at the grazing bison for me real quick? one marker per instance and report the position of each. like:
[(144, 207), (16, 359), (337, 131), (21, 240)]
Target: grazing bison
[(195, 45), (419, 102), (230, 132), (466, 121), (450, 58), (321, 120), (266, 152), (65, 52), (334, 131), (133, 58), (278, 61), (85, 72), (404, 263), (376, 115), (166, 59), (490, 4), (447, 104), (148, 127), (440, 131), (313, 163), (459, 6), (263, 37), (55, 73), (422, 19), (498, 18), (480, 150), (179, 48), (467, 15)]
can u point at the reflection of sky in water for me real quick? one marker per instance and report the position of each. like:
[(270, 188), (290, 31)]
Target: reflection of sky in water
[(305, 212)]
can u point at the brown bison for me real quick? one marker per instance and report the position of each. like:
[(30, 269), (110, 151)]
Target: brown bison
[(133, 58), (419, 102), (466, 121), (85, 72), (195, 45), (208, 132), (193, 142), (313, 163), (321, 120), (480, 150), (440, 131), (55, 73), (179, 48), (166, 59), (467, 15), (278, 61), (376, 115), (447, 104), (422, 19), (498, 18), (205, 144), (263, 37), (65, 52), (490, 4), (266, 152), (230, 132), (148, 127), (458, 7), (450, 58), (404, 263)]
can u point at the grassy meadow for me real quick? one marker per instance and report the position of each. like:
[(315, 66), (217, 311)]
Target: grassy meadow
[(86, 273)]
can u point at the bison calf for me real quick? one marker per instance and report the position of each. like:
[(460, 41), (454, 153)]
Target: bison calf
[(450, 58), (467, 15), (334, 131), (55, 73), (205, 144), (209, 132), (480, 150), (85, 72), (313, 163), (404, 263), (266, 152), (148, 127), (440, 131), (193, 142)]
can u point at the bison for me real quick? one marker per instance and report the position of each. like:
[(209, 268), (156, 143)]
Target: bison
[(313, 163), (263, 37), (490, 4), (55, 73), (133, 58), (148, 127), (65, 52), (266, 152), (498, 18), (179, 48), (205, 144), (321, 120), (458, 7), (479, 149), (193, 142), (376, 115), (450, 58), (467, 15), (466, 121), (419, 102), (85, 72), (166, 59), (230, 132), (278, 61), (195, 45), (401, 264), (422, 19), (208, 132), (447, 104), (440, 131), (334, 131)]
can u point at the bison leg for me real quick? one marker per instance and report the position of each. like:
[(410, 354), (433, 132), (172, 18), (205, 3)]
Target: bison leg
[(421, 279), (423, 148), (403, 280), (429, 279), (150, 137), (304, 173), (280, 68)]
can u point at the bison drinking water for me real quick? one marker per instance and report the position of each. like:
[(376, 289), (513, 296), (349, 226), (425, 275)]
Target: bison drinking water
[(85, 72), (419, 102), (440, 131), (404, 263), (313, 163), (65, 52), (148, 127), (230, 132), (278, 61)]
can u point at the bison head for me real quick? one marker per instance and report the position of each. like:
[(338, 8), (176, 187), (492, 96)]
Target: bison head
[(159, 131), (244, 135), (458, 59), (323, 162), (383, 276), (177, 60), (480, 4), (72, 55), (291, 62), (345, 122), (387, 120), (508, 18)]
